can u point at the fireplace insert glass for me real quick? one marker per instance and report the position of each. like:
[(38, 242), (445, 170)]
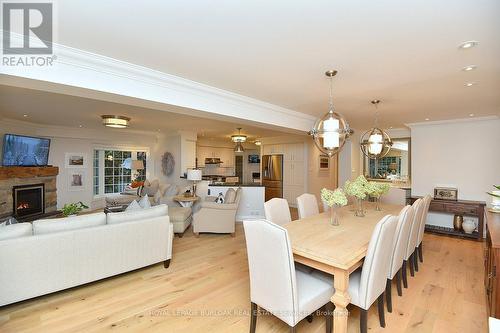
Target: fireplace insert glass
[(29, 200)]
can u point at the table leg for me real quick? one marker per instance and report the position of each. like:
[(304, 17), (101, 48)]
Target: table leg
[(341, 299)]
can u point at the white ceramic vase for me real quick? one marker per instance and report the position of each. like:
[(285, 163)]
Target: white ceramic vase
[(469, 226)]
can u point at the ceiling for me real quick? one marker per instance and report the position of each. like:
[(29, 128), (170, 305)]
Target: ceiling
[(64, 110), (403, 53)]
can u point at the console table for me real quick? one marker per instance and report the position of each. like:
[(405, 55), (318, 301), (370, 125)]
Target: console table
[(459, 207)]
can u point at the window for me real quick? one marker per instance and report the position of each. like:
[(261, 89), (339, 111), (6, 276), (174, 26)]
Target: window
[(109, 175)]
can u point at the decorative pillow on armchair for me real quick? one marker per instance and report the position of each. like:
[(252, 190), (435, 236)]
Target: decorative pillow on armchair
[(150, 188), (230, 196)]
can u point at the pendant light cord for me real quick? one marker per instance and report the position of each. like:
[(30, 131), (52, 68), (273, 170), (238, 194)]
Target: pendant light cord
[(330, 103)]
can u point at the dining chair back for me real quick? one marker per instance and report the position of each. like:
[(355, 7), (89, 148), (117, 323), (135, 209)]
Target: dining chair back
[(418, 207), (307, 205), (423, 220), (401, 238), (277, 211)]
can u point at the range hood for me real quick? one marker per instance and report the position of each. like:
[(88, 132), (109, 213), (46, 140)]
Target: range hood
[(213, 160)]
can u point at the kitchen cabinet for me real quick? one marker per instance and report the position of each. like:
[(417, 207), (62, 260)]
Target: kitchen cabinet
[(294, 152), (225, 154), (273, 149)]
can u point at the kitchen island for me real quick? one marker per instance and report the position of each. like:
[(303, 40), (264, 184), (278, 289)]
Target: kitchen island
[(252, 199)]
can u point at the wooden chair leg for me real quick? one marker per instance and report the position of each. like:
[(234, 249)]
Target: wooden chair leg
[(381, 315), (388, 295), (411, 261), (233, 234), (415, 257), (166, 263), (197, 234), (404, 270), (253, 317), (309, 319), (293, 329), (421, 252), (180, 235), (363, 321), (329, 317), (398, 283)]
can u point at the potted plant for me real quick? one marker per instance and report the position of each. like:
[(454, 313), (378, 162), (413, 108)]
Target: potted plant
[(73, 208), (334, 200)]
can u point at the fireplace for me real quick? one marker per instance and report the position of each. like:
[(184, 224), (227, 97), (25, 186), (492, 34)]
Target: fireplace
[(29, 200)]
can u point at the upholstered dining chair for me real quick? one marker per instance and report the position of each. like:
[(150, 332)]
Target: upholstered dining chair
[(275, 284), (277, 211), (419, 249), (399, 247), (418, 206), (307, 205), (368, 283)]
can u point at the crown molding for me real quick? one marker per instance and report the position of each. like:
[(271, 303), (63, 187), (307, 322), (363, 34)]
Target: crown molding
[(75, 69), (452, 121)]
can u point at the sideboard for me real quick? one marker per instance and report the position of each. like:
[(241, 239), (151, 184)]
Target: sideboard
[(492, 263), (459, 207)]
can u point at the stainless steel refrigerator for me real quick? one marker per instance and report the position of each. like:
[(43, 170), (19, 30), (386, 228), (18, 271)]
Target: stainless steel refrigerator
[(272, 176)]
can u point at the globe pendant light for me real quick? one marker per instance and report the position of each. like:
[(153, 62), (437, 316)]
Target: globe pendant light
[(375, 143), (239, 139), (331, 131)]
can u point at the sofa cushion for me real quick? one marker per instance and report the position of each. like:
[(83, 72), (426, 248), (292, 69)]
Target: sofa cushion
[(179, 214), (144, 202), (15, 230), (137, 215), (134, 205), (68, 223), (230, 196)]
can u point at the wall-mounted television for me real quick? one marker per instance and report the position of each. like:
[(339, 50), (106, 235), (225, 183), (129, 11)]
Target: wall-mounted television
[(20, 150), (254, 158)]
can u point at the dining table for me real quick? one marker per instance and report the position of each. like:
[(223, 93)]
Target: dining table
[(337, 249)]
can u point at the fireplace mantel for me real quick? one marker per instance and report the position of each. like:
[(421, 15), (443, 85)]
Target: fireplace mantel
[(28, 172)]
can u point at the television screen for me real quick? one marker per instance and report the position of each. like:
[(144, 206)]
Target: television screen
[(21, 150), (253, 158)]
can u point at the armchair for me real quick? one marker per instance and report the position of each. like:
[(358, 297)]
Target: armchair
[(216, 218)]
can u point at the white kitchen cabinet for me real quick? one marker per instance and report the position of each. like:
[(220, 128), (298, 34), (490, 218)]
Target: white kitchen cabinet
[(273, 149), (290, 193), (226, 155)]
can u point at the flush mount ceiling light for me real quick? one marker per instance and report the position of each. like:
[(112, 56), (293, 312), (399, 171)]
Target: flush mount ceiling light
[(115, 121), (375, 143), (468, 44), (257, 142), (332, 130), (469, 68), (239, 137)]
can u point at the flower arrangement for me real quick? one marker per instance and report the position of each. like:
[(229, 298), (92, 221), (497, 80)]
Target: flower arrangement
[(357, 188), (376, 189), (73, 208), (332, 198)]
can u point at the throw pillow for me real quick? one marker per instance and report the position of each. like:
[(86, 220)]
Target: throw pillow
[(230, 196), (219, 199), (150, 188), (3, 224), (134, 205), (144, 202)]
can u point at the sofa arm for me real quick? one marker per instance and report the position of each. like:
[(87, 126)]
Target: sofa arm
[(213, 205)]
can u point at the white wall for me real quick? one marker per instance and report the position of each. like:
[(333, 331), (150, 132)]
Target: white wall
[(79, 140), (463, 154)]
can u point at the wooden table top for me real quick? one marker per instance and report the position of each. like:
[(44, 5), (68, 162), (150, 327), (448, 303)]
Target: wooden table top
[(183, 198), (337, 246)]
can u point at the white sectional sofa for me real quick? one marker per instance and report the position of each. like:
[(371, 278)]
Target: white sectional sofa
[(57, 254)]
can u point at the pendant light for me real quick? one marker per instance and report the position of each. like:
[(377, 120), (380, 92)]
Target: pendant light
[(375, 143), (239, 139), (331, 131)]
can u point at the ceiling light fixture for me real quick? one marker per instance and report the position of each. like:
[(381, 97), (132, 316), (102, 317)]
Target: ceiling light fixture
[(115, 121), (471, 115), (239, 137), (427, 119), (468, 44), (25, 115), (469, 68), (332, 130), (257, 142), (375, 143), (470, 84)]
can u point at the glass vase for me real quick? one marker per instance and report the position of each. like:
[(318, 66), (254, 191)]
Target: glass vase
[(334, 216), (360, 212), (377, 204)]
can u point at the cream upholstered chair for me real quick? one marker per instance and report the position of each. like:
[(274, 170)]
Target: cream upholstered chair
[(275, 284), (420, 252), (368, 283), (395, 196), (400, 244), (217, 218), (418, 206), (307, 205), (277, 211)]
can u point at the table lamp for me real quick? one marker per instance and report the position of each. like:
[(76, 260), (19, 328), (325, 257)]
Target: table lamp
[(195, 176)]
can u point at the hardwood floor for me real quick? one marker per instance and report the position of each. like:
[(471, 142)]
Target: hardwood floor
[(206, 289)]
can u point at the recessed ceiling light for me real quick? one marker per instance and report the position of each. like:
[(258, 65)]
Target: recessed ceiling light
[(427, 119), (469, 68), (25, 115), (80, 126), (470, 84), (468, 44), (471, 115)]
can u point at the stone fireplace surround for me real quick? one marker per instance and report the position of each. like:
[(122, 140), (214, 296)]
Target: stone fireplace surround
[(15, 176)]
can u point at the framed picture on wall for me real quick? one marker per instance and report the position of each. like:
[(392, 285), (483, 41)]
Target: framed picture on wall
[(76, 180), (324, 162), (75, 160)]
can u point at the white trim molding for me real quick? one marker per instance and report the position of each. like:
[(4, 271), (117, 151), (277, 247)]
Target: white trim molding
[(81, 73), (452, 121)]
